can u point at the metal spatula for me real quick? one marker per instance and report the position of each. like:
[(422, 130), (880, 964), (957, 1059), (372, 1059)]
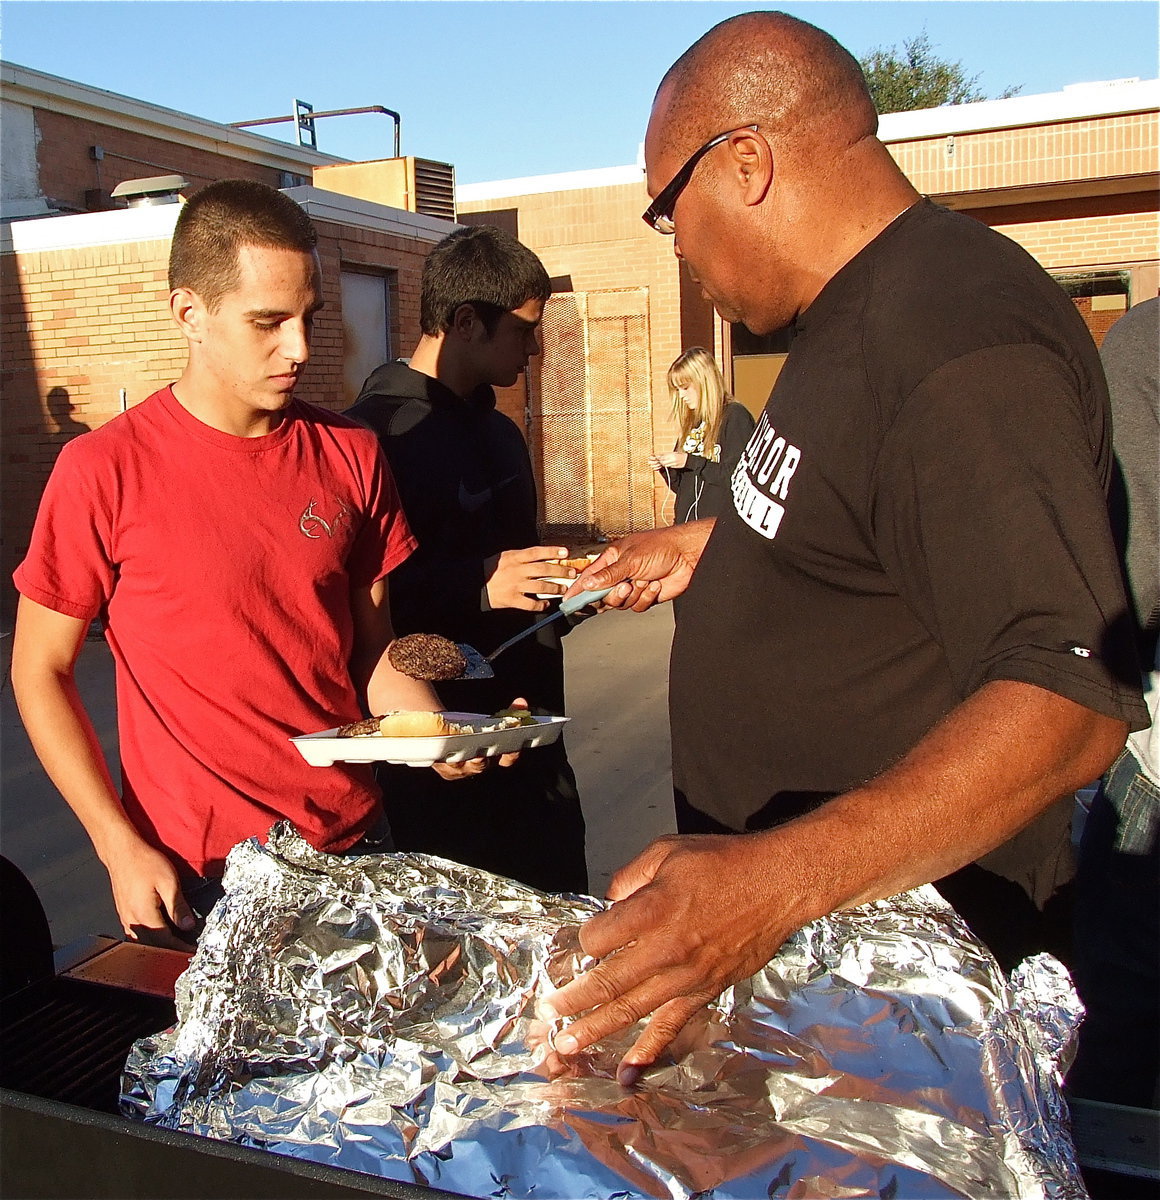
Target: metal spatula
[(479, 666)]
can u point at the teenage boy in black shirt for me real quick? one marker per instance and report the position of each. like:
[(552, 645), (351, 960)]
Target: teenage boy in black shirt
[(465, 479)]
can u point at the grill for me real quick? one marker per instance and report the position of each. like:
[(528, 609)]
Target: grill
[(66, 1040), (66, 1032), (66, 1026)]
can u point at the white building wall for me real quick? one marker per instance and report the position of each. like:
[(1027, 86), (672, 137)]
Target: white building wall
[(19, 181)]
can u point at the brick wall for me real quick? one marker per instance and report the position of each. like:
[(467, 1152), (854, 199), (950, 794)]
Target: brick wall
[(81, 324), (68, 171), (596, 238), (78, 325), (363, 247), (342, 246), (1063, 151), (1088, 241)]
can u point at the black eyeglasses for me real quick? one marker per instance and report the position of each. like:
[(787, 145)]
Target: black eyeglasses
[(659, 213)]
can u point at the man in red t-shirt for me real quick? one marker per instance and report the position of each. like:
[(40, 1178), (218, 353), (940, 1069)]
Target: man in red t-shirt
[(236, 544)]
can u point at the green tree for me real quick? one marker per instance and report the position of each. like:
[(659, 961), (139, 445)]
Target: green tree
[(916, 77)]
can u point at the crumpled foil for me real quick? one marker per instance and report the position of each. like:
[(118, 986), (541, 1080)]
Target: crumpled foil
[(380, 1013)]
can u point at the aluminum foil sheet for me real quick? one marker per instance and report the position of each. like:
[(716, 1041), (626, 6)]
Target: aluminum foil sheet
[(380, 1013)]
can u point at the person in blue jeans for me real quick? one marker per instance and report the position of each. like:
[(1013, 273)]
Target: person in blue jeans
[(1117, 902)]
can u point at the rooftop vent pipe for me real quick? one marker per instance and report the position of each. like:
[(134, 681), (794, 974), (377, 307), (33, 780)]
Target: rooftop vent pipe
[(304, 117)]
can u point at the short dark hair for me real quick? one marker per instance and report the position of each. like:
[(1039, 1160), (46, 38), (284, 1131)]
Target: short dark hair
[(218, 220), (482, 266)]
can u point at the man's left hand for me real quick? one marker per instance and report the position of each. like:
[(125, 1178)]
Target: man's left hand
[(693, 915)]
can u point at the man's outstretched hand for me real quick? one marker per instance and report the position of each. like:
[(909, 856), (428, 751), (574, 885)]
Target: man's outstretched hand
[(692, 915), (647, 568)]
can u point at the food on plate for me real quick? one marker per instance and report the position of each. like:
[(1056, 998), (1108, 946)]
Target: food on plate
[(569, 570), (402, 723), (368, 727), (406, 722), (426, 656), (580, 563), (418, 724), (513, 717)]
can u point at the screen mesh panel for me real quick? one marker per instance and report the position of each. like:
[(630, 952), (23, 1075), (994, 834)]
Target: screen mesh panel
[(590, 415)]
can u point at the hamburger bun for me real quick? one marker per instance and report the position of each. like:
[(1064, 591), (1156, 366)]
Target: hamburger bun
[(580, 563), (407, 723)]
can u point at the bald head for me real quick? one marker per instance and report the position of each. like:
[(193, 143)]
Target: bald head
[(807, 92)]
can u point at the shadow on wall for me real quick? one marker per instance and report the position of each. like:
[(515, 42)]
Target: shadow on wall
[(60, 409), (21, 424), (27, 467)]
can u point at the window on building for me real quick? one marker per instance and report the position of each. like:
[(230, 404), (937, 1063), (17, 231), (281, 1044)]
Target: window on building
[(757, 361), (366, 327), (1101, 296)]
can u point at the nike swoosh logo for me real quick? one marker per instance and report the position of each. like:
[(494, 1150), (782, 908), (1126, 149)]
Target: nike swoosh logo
[(472, 501)]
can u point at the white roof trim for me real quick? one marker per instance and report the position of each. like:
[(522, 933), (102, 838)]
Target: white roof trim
[(156, 222), (22, 85), (149, 223), (322, 205), (565, 181), (1077, 102)]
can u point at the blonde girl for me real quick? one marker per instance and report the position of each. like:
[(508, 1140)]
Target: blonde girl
[(714, 430)]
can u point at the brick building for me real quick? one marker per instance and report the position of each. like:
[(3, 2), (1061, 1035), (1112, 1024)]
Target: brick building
[(1072, 176), (66, 146), (85, 327)]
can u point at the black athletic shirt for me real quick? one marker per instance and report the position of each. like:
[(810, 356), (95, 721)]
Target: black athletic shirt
[(466, 484), (702, 484), (920, 511)]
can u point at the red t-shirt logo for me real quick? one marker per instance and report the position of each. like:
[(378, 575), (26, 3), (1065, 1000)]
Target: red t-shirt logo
[(311, 523)]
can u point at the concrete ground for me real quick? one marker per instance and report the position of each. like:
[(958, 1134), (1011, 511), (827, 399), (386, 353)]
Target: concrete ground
[(618, 742)]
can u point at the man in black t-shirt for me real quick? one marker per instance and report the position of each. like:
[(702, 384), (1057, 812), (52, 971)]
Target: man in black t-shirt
[(906, 641)]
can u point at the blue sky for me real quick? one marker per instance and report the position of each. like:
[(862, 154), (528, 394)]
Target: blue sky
[(505, 88)]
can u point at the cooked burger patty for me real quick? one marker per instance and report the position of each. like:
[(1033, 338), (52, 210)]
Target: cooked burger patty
[(363, 728), (426, 656)]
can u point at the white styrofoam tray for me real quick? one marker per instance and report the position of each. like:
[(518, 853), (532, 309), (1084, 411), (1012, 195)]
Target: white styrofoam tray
[(566, 583), (324, 749)]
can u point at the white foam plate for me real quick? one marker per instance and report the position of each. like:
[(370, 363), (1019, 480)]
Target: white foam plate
[(563, 580), (566, 583), (324, 749)]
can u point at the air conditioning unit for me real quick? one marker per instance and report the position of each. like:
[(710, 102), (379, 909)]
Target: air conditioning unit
[(414, 184), (433, 188)]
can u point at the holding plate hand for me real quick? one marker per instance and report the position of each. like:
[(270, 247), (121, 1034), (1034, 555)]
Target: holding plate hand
[(514, 576)]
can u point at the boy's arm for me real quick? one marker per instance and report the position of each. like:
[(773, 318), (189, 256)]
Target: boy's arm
[(385, 688), (145, 883)]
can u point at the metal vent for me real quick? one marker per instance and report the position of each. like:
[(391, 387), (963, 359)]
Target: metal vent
[(590, 415), (435, 189)]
